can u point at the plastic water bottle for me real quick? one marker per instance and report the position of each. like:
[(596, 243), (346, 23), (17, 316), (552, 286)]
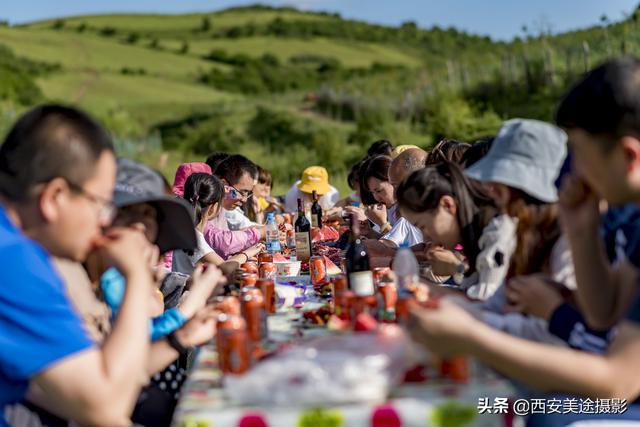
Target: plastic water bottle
[(405, 265), (272, 234)]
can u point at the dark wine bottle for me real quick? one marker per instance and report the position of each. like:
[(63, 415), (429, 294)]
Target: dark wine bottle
[(316, 212), (359, 274), (303, 234)]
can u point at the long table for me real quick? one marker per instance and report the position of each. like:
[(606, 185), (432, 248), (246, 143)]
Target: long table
[(203, 401)]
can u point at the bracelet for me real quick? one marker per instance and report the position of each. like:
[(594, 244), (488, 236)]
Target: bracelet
[(176, 345), (246, 256)]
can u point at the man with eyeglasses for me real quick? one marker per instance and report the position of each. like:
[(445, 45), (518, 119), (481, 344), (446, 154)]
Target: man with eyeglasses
[(57, 173), (239, 176)]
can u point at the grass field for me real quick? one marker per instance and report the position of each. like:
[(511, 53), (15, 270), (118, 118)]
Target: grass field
[(82, 51), (162, 24), (136, 93), (349, 53)]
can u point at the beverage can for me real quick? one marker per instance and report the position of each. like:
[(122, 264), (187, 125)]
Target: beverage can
[(248, 279), (265, 257), (267, 270), (317, 270), (254, 314), (232, 344), (268, 288), (250, 267), (227, 304)]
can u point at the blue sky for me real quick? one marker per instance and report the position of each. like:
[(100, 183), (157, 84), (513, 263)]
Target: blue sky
[(500, 19)]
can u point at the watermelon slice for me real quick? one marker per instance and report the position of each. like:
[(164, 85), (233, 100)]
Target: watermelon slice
[(277, 257), (324, 234), (365, 322), (332, 269)]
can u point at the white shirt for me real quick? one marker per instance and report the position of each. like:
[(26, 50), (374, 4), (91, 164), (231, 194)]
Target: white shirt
[(237, 220), (404, 232), (184, 263), (327, 201)]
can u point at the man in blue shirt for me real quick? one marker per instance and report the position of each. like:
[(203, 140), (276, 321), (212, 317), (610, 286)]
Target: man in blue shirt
[(57, 172)]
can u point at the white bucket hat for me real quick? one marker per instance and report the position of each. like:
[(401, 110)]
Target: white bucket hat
[(527, 155)]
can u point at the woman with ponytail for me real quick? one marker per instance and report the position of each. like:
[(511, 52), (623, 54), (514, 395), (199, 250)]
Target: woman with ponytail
[(452, 210), (205, 193)]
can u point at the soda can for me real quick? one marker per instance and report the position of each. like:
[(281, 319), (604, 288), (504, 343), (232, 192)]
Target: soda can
[(402, 306), (232, 344), (227, 304), (265, 257), (317, 270), (363, 304), (343, 303), (379, 273), (267, 270), (455, 368), (254, 314), (268, 288), (250, 267), (248, 279), (389, 294), (339, 284)]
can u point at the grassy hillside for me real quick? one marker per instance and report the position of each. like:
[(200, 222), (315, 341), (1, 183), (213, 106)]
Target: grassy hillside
[(161, 25), (76, 51), (289, 88)]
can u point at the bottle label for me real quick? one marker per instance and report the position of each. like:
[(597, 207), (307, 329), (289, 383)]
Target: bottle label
[(361, 283), (274, 246), (303, 246), (314, 221)]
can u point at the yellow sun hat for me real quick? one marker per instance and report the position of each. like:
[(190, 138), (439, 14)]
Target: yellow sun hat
[(314, 178)]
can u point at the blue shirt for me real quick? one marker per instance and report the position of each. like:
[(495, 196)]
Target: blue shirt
[(38, 325)]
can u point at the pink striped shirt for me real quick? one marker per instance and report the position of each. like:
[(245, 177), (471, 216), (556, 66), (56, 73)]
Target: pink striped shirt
[(226, 242)]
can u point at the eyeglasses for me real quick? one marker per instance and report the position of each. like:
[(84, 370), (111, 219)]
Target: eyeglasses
[(244, 193), (107, 211)]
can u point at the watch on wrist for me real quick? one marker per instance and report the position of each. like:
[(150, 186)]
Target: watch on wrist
[(176, 344)]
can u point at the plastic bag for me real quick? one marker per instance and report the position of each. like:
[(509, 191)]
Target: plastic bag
[(358, 367)]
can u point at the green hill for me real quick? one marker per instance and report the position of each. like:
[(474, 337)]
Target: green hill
[(287, 87)]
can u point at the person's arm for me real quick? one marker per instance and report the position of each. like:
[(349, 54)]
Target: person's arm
[(201, 328), (603, 290), (551, 368), (448, 329), (100, 386), (226, 242)]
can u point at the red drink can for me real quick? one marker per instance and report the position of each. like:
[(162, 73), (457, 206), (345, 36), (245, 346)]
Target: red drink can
[(232, 344), (254, 314), (250, 267), (248, 279), (267, 270), (265, 257), (227, 304), (343, 301), (317, 270), (268, 288), (402, 306), (339, 284), (379, 273), (455, 368), (363, 304), (389, 294)]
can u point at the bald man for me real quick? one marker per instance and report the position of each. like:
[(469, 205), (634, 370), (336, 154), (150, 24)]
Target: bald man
[(402, 166)]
